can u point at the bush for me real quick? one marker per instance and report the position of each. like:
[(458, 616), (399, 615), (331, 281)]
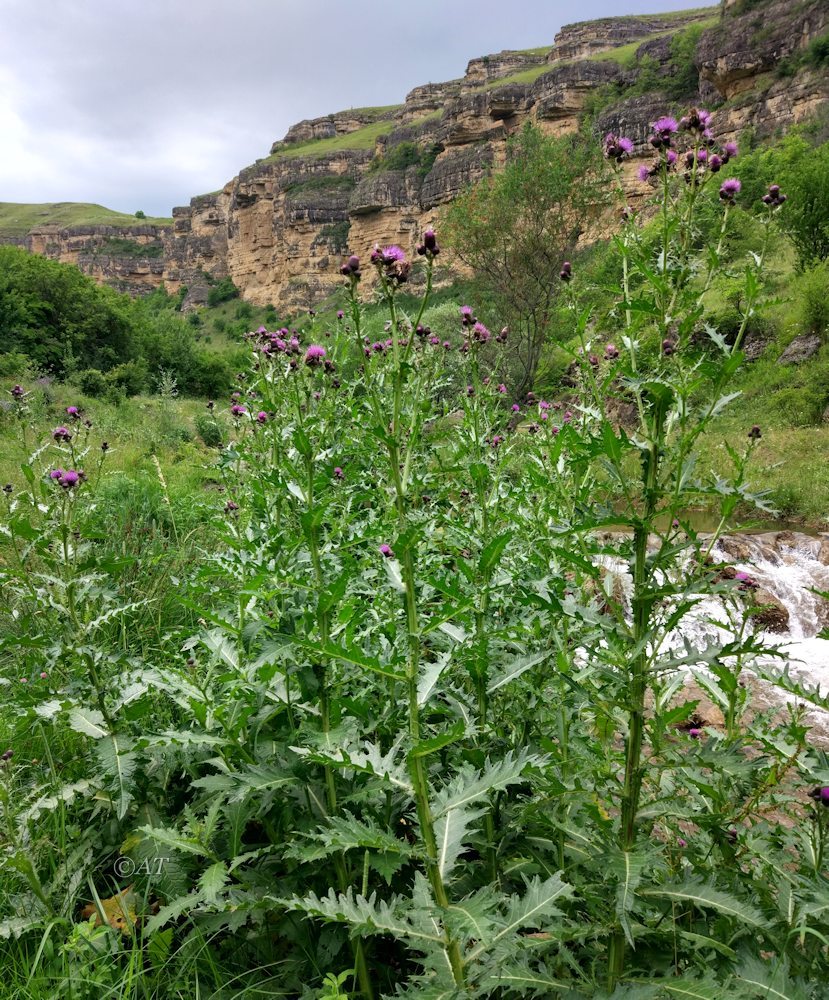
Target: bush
[(209, 430), (92, 382), (133, 377), (244, 311), (222, 291), (812, 298)]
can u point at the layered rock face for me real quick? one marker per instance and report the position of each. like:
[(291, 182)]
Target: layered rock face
[(342, 182), (130, 259)]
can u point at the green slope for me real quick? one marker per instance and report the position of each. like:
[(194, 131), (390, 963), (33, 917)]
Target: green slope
[(17, 219)]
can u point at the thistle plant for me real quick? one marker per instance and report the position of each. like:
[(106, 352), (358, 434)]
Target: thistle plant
[(432, 736)]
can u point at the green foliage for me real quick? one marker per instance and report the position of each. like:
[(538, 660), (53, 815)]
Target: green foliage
[(140, 214), (223, 291), (209, 430), (117, 246), (517, 227), (394, 704), (335, 234), (17, 219), (92, 382), (811, 293)]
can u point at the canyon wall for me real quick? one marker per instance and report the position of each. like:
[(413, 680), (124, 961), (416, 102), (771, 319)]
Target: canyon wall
[(345, 181)]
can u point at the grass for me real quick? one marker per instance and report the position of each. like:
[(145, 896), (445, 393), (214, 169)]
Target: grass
[(362, 138), (625, 55), (16, 219)]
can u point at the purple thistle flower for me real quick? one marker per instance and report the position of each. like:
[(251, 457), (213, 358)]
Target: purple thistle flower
[(338, 472), (644, 173), (755, 433), (730, 150), (231, 507), (480, 333), (680, 842), (238, 410), (73, 412), (496, 440), (314, 355), (566, 271), (56, 474), (696, 120), (715, 162), (670, 157), (502, 389), (516, 408), (668, 347), (617, 147), (17, 391), (730, 189), (611, 352), (262, 417), (69, 479), (340, 314), (393, 255), (663, 131), (386, 550), (61, 434), (467, 316), (774, 198), (695, 732)]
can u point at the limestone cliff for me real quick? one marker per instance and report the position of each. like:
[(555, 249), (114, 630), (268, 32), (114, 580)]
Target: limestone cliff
[(345, 181)]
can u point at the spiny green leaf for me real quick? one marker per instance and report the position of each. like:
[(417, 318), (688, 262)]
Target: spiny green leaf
[(700, 894)]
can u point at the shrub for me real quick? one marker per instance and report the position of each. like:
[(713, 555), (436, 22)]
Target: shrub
[(132, 376), (223, 291), (812, 298), (209, 430), (92, 382)]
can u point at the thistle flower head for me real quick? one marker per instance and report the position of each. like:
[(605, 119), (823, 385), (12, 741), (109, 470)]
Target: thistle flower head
[(730, 189), (480, 334), (238, 410), (664, 130), (755, 433), (386, 550), (61, 434), (314, 355), (74, 412), (17, 391)]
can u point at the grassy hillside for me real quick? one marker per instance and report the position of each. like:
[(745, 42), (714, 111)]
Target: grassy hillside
[(16, 219)]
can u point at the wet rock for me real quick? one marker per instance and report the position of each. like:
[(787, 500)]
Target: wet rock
[(801, 349), (768, 613)]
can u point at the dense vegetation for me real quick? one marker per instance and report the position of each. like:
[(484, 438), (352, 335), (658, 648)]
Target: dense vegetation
[(57, 319), (397, 706)]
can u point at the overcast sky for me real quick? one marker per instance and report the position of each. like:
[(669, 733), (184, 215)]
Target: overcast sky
[(145, 103)]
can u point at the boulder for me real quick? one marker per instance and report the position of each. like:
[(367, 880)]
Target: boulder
[(801, 349)]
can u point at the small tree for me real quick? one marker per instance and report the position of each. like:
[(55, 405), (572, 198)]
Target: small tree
[(140, 214), (517, 226)]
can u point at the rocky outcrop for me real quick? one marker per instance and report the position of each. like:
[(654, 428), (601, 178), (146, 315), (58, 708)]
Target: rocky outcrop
[(129, 258), (737, 51), (580, 41), (801, 349)]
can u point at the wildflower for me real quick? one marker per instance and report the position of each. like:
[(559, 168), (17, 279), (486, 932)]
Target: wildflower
[(480, 334), (568, 416), (715, 162), (496, 440), (70, 479), (501, 338), (774, 198), (386, 550), (238, 410), (696, 120), (663, 132), (470, 390), (818, 794), (61, 434), (502, 389), (533, 428), (8, 488), (210, 404), (680, 842), (670, 158), (447, 346), (668, 347), (262, 417), (467, 316), (74, 412), (56, 473), (340, 314), (429, 247), (105, 446), (17, 391), (6, 755), (730, 189), (393, 255), (516, 408), (434, 341), (351, 268), (611, 352), (231, 507), (314, 355), (594, 361), (338, 472), (43, 675), (755, 433), (24, 680), (566, 271), (695, 732), (236, 395), (644, 173), (616, 147), (729, 151)]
